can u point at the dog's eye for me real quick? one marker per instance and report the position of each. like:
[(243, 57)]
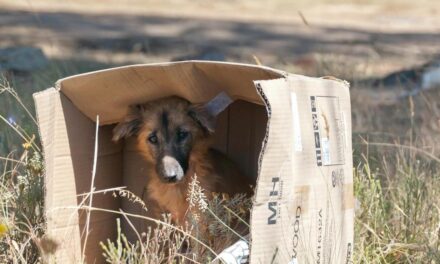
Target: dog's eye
[(182, 135), (152, 138)]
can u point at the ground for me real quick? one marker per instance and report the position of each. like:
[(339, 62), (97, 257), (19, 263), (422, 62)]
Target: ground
[(382, 36)]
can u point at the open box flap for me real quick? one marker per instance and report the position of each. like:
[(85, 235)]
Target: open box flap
[(62, 222), (303, 209), (108, 93), (68, 142)]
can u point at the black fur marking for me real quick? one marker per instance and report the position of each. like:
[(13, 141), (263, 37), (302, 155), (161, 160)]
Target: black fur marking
[(165, 123)]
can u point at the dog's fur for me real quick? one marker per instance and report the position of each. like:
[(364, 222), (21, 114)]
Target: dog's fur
[(175, 138)]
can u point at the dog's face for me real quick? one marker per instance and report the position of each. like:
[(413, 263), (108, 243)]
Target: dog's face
[(167, 131)]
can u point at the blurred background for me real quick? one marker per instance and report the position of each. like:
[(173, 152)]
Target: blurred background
[(377, 36)]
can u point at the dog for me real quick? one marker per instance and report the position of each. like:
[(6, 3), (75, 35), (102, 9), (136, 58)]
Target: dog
[(175, 139)]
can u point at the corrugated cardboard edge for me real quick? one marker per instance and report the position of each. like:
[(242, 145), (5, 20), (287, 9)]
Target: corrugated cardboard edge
[(266, 136), (267, 103)]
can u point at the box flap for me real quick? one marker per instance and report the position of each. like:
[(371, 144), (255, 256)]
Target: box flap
[(68, 143), (303, 210), (108, 93), (60, 192)]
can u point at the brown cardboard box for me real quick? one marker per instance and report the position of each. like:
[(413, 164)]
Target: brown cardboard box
[(303, 209)]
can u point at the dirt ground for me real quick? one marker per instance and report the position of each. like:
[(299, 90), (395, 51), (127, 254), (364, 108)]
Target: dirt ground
[(375, 37)]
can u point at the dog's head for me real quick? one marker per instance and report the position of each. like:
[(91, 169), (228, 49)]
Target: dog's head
[(168, 130)]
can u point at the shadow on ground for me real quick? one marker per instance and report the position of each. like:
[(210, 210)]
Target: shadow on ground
[(174, 37)]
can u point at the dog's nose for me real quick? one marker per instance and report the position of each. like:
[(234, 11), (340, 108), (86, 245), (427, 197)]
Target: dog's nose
[(171, 169), (172, 178)]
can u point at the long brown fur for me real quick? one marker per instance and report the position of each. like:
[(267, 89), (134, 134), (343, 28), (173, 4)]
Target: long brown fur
[(215, 172)]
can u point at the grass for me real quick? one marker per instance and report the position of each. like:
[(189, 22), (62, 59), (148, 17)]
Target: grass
[(16, 102), (397, 219), (166, 243), (396, 175), (22, 207)]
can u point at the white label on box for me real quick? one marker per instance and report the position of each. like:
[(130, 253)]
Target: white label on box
[(344, 127), (296, 123), (325, 144)]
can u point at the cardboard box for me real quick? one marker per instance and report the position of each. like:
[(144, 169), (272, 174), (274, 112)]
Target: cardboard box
[(303, 209)]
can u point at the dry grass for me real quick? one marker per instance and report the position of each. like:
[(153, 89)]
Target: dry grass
[(21, 209), (397, 220), (169, 244)]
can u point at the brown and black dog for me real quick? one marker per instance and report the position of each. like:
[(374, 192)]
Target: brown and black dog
[(175, 138)]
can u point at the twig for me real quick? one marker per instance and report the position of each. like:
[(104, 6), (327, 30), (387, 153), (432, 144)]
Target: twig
[(236, 215), (34, 146), (134, 229), (104, 191), (12, 160), (223, 223), (92, 184), (303, 18), (257, 60), (424, 152), (14, 94)]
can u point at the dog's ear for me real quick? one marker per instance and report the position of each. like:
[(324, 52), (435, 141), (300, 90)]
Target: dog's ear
[(205, 114), (202, 117), (130, 125)]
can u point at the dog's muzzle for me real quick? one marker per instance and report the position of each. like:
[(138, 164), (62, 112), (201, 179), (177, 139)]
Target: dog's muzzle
[(172, 171)]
